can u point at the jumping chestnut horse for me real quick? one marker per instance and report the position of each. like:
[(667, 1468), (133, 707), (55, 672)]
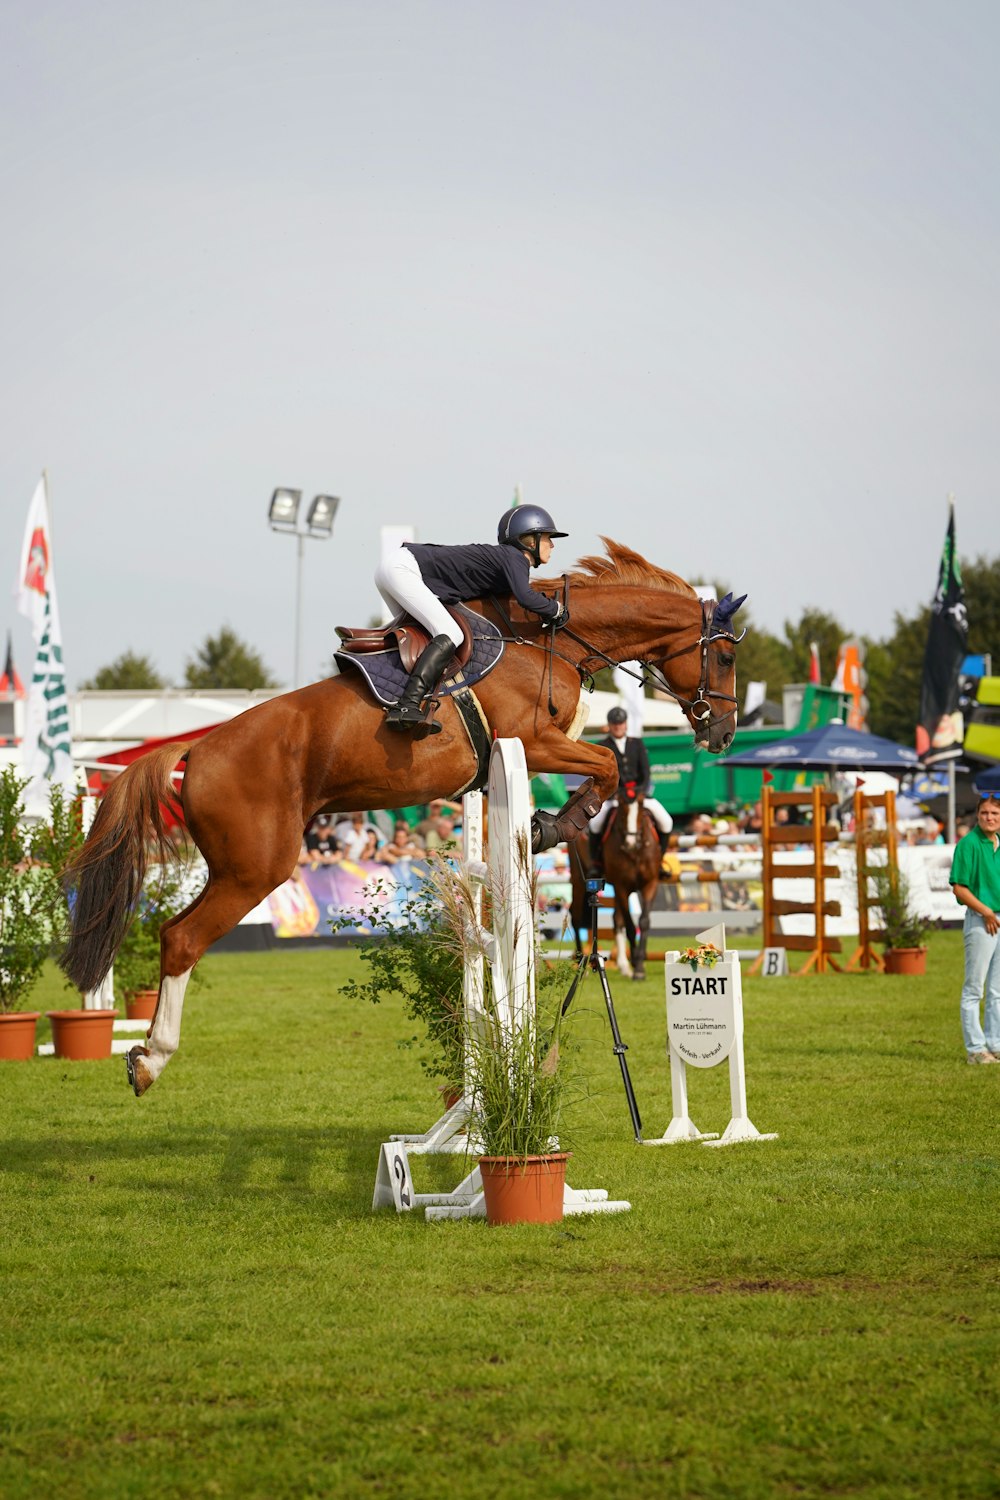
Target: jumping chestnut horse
[(251, 785), (631, 854)]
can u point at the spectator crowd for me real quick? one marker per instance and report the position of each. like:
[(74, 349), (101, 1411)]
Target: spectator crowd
[(330, 839)]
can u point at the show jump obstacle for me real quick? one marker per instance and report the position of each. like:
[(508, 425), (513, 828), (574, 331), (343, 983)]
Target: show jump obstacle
[(817, 835), (510, 948), (868, 835)]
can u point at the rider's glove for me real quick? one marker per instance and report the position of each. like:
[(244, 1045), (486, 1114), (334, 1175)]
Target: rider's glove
[(558, 621)]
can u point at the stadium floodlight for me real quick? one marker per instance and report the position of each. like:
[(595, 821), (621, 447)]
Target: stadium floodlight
[(321, 514), (284, 509), (283, 515)]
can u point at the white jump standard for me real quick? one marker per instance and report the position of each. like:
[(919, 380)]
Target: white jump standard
[(511, 953)]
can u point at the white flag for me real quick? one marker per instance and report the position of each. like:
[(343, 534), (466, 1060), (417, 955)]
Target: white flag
[(35, 571), (46, 749)]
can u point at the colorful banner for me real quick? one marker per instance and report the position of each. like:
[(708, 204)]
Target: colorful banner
[(315, 901), (940, 730), (851, 678)]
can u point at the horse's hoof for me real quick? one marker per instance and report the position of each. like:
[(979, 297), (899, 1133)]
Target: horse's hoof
[(139, 1075), (545, 832), (639, 974)]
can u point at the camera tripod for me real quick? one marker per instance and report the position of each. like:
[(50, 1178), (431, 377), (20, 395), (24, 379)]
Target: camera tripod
[(596, 961)]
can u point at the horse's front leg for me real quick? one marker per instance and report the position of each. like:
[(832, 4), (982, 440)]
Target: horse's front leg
[(623, 939), (552, 751), (642, 935)]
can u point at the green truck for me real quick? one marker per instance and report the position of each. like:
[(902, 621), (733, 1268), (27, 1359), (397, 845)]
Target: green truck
[(686, 780)]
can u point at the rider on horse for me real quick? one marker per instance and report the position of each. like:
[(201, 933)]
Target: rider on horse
[(633, 767), (421, 578)]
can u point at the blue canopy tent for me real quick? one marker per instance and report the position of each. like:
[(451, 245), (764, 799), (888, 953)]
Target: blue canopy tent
[(986, 783), (832, 747)]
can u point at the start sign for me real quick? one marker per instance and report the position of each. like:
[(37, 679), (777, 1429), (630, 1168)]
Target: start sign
[(701, 1018), (704, 1027)]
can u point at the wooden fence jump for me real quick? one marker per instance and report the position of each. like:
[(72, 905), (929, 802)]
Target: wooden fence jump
[(868, 836), (818, 834)]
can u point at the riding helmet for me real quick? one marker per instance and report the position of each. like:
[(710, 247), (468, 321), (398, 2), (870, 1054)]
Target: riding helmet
[(526, 520), (617, 716)]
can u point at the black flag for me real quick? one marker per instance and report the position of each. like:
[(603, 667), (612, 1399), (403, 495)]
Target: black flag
[(940, 726)]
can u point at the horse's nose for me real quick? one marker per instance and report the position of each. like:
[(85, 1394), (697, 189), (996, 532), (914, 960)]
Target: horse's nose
[(727, 739)]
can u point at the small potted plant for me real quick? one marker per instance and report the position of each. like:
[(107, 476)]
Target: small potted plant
[(23, 930), (137, 962), (406, 952), (903, 928)]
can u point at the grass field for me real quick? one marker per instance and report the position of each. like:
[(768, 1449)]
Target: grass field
[(197, 1300)]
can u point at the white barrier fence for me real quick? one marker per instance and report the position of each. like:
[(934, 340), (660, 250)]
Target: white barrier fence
[(510, 949)]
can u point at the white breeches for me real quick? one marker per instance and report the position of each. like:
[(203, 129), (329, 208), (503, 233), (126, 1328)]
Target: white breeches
[(659, 815), (398, 580)]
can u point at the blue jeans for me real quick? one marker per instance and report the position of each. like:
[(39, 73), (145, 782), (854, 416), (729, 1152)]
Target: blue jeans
[(982, 970)]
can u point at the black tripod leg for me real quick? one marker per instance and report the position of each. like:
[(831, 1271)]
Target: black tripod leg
[(581, 969), (620, 1049)]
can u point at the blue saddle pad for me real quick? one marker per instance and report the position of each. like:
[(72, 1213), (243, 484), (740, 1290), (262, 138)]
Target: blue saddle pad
[(387, 677)]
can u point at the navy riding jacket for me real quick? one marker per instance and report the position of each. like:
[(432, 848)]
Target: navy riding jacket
[(633, 765), (478, 569)]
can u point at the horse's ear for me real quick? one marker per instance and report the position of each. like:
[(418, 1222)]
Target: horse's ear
[(727, 607)]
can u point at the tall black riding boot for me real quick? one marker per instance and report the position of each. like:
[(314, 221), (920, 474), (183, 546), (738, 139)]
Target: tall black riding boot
[(664, 845), (596, 867), (407, 713)]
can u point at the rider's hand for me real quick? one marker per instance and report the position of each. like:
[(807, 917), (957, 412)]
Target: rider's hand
[(558, 621)]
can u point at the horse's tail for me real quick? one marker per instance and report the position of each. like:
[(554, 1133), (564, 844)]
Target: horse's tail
[(105, 878)]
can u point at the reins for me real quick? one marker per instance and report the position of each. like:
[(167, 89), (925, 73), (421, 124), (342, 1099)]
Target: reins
[(650, 672)]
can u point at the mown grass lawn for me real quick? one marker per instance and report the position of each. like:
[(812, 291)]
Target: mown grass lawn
[(197, 1299)]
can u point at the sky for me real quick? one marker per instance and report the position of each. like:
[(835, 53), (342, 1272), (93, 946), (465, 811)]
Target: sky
[(719, 279)]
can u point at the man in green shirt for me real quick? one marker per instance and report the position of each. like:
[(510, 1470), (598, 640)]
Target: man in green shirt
[(975, 879)]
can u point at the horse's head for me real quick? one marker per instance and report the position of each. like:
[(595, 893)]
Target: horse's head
[(703, 676), (631, 610)]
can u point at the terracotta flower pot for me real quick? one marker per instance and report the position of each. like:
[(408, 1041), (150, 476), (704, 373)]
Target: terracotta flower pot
[(905, 960), (525, 1190), (142, 1005), (82, 1035), (17, 1035)]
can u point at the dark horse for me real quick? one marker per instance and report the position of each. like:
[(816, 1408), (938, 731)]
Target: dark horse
[(631, 855), (251, 785)]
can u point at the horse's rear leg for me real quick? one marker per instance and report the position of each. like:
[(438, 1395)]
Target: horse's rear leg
[(183, 940)]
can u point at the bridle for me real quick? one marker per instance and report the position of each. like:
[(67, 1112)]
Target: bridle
[(699, 707)]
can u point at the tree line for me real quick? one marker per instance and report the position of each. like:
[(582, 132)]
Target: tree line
[(221, 661), (894, 665)]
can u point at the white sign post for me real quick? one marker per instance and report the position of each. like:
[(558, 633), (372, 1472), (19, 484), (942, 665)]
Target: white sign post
[(704, 1027)]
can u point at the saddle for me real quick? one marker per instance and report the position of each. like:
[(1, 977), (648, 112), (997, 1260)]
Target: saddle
[(407, 636)]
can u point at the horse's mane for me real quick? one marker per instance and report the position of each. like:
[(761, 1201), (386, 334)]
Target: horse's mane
[(622, 565)]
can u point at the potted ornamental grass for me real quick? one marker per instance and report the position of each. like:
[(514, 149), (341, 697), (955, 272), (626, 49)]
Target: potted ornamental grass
[(903, 928), (516, 1077)]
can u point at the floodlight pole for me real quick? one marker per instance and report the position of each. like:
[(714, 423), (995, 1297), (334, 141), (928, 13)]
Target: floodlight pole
[(300, 537), (319, 524)]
